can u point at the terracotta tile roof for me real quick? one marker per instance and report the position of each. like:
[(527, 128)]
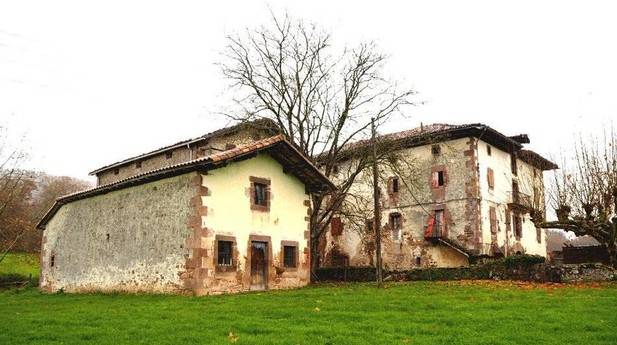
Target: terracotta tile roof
[(311, 176), (265, 124), (438, 132)]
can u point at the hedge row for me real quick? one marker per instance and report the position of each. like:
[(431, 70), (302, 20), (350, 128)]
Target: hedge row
[(519, 267)]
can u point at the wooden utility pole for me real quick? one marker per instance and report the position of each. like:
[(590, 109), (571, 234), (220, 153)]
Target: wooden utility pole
[(377, 211)]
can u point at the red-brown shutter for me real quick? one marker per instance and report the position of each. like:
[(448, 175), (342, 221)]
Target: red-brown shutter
[(429, 228), (493, 219), (336, 226), (490, 177)]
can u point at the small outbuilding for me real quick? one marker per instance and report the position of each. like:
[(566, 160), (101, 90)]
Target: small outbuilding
[(234, 220)]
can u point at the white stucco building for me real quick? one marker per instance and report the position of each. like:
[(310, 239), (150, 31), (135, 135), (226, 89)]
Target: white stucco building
[(468, 191)]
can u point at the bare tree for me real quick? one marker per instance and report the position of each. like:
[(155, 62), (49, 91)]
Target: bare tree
[(321, 99), (14, 183), (584, 193)]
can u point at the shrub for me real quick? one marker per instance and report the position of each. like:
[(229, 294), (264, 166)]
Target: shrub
[(523, 261)]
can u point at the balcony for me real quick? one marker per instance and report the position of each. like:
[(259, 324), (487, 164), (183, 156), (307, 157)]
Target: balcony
[(520, 201)]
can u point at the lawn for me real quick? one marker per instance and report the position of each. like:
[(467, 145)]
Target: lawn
[(23, 264), (402, 313)]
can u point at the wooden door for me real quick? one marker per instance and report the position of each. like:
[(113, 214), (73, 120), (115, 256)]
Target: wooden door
[(259, 264)]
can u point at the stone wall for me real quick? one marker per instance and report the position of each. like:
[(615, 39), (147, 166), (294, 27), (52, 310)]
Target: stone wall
[(494, 271), (465, 199), (162, 236), (457, 198), (127, 240)]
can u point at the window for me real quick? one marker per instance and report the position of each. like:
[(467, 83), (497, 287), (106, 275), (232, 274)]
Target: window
[(52, 261), (493, 219), (418, 261), (116, 171), (138, 165), (490, 175), (393, 185), (336, 226), (289, 256), (488, 150), (436, 150), (438, 223), (369, 225), (260, 194), (224, 257), (513, 163), (518, 225), (515, 193), (107, 237), (439, 179), (395, 224), (168, 155)]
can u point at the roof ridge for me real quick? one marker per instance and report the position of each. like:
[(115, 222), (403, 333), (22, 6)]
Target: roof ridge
[(209, 135)]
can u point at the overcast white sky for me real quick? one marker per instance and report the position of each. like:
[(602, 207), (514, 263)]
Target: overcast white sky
[(90, 84)]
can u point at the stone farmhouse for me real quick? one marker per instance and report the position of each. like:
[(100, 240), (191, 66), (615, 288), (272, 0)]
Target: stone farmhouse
[(472, 193), (224, 212), (228, 212)]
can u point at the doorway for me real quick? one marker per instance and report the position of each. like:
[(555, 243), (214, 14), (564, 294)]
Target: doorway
[(259, 265)]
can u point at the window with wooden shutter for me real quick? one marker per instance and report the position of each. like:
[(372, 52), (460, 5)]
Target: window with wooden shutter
[(428, 233), (395, 184), (336, 226), (439, 179), (518, 224), (493, 219), (490, 175), (260, 194), (396, 225)]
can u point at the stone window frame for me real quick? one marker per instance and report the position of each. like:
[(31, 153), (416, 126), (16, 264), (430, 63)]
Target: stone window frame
[(434, 176), (295, 244), (264, 181), (234, 254), (391, 216), (394, 181), (444, 218)]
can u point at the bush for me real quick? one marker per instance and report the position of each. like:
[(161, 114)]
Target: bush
[(523, 261)]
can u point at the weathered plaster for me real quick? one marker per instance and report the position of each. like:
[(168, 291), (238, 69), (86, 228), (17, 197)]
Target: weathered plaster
[(147, 230), (162, 234)]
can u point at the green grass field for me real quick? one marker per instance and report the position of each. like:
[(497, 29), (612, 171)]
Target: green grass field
[(23, 264), (401, 313)]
